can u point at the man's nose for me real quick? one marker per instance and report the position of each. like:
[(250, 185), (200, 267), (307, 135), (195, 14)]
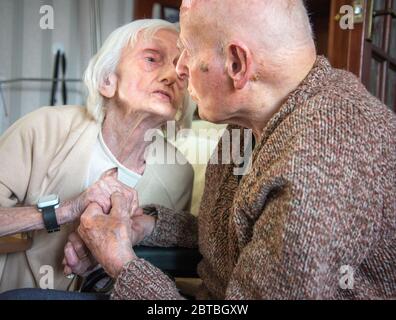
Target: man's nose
[(181, 67)]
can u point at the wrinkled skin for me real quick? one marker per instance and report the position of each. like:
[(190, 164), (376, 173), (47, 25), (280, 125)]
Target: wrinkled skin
[(110, 237), (107, 238)]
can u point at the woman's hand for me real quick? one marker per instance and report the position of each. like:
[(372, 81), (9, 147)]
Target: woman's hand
[(78, 259), (100, 193), (110, 237)]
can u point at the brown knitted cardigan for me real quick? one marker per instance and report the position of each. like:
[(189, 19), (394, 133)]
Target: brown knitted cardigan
[(320, 195)]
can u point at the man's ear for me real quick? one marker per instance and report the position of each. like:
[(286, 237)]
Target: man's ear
[(238, 64), (109, 86)]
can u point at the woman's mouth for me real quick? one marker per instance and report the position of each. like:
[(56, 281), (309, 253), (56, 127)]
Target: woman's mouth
[(163, 95)]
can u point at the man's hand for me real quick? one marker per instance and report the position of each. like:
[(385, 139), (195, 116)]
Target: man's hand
[(109, 237), (78, 259), (142, 226)]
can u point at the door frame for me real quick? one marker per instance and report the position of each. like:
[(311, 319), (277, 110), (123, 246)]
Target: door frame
[(346, 49)]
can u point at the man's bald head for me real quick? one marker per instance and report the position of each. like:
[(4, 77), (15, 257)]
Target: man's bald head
[(242, 54), (270, 25)]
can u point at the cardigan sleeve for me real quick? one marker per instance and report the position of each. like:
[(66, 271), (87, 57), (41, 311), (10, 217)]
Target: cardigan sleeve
[(16, 149), (140, 280), (172, 228)]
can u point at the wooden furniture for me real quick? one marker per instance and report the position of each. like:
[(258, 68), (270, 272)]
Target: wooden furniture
[(17, 243), (144, 9)]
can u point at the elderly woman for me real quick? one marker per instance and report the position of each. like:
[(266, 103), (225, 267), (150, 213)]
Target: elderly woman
[(70, 153)]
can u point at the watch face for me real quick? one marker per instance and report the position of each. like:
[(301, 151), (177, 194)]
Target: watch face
[(51, 200)]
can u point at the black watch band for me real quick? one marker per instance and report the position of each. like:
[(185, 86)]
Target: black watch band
[(49, 217)]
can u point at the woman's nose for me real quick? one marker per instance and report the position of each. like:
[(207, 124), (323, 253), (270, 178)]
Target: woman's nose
[(169, 75)]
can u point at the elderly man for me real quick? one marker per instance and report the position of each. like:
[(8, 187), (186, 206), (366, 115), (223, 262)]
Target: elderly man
[(318, 205)]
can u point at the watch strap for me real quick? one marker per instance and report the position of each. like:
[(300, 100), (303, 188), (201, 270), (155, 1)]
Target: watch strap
[(49, 217)]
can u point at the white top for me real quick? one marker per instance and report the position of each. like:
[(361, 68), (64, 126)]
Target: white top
[(103, 160)]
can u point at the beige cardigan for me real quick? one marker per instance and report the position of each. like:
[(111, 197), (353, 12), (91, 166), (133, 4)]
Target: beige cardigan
[(48, 152)]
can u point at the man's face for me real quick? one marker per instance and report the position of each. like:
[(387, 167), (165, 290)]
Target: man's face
[(147, 79), (200, 62)]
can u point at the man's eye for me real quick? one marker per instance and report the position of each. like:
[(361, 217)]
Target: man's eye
[(150, 59)]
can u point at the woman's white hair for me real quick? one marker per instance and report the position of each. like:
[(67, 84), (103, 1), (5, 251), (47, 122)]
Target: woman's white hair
[(105, 62)]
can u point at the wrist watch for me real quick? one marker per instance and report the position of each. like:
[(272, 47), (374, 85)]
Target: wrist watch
[(47, 205)]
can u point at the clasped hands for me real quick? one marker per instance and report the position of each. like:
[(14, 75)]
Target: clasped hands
[(109, 228)]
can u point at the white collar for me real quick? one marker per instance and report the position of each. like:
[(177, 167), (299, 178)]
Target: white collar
[(126, 176)]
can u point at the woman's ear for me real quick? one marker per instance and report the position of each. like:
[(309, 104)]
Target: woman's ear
[(109, 86), (238, 64)]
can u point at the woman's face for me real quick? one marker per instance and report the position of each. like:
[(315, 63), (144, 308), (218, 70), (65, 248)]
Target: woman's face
[(146, 77)]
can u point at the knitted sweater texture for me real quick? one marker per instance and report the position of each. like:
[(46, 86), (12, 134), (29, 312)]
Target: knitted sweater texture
[(315, 218)]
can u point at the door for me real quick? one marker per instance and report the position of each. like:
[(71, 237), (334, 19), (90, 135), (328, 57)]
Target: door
[(379, 69), (369, 49)]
